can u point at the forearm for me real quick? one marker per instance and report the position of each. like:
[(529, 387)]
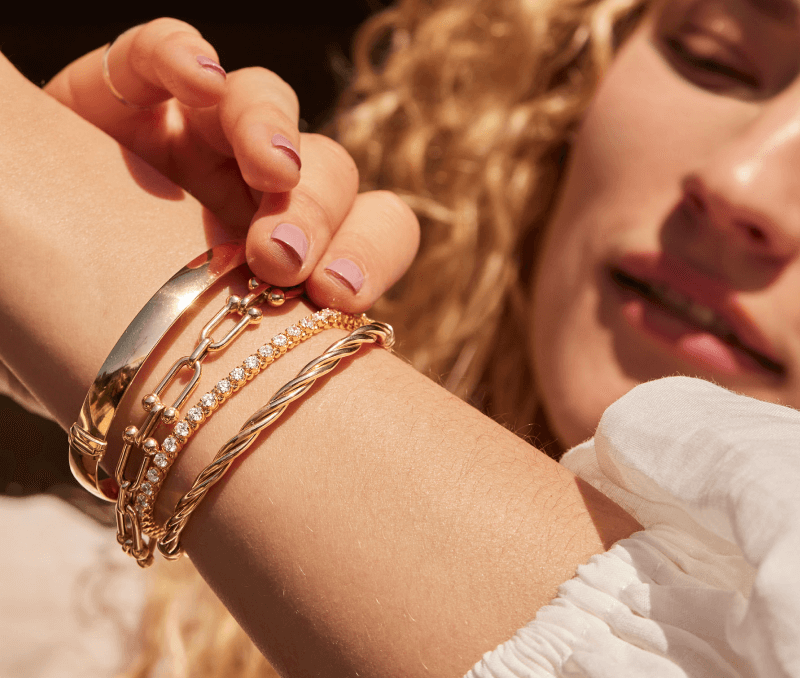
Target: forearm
[(382, 526)]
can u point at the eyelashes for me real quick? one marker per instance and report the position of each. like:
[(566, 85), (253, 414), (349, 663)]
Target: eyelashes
[(716, 73)]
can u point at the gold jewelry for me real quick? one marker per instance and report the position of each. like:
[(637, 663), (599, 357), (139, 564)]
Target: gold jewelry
[(374, 332), (128, 511), (222, 391), (87, 436), (110, 85)]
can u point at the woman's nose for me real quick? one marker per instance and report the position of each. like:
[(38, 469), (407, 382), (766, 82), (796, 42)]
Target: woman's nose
[(747, 193)]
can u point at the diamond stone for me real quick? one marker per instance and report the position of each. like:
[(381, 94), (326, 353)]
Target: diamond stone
[(170, 444), (153, 476), (142, 499), (251, 362), (327, 313), (294, 331), (223, 386), (195, 415), (182, 429), (147, 488), (305, 322), (161, 460), (280, 340), (237, 374), (317, 317), (141, 509), (266, 351), (208, 400)]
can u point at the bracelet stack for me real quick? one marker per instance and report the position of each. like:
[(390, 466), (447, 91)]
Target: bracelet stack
[(135, 496), (367, 332)]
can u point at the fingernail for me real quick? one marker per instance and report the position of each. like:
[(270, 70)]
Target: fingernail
[(281, 142), (347, 271), (293, 238), (211, 65)]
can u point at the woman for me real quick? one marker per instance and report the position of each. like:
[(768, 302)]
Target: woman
[(643, 315)]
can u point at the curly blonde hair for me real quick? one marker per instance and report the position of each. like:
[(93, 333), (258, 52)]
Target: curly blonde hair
[(466, 109), (469, 118)]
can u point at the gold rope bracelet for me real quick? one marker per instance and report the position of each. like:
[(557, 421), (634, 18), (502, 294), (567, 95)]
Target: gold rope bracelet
[(374, 332)]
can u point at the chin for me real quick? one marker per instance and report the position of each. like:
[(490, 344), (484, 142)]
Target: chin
[(578, 375), (577, 402)]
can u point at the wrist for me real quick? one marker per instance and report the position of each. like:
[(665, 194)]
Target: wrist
[(211, 432)]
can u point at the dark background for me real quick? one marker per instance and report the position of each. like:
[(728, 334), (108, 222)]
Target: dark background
[(307, 44)]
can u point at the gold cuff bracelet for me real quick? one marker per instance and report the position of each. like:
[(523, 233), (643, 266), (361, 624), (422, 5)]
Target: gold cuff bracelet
[(87, 436)]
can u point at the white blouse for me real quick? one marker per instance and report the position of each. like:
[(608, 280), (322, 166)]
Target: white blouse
[(711, 587)]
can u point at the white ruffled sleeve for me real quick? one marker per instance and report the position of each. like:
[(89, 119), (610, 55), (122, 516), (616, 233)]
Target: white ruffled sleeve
[(710, 587)]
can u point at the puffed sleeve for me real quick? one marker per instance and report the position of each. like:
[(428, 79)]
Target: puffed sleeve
[(710, 586)]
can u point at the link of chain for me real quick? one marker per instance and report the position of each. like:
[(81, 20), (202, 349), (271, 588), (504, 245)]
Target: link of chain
[(129, 526)]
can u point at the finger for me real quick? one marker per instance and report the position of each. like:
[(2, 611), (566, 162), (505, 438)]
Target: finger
[(162, 59), (291, 231), (259, 116), (370, 251)]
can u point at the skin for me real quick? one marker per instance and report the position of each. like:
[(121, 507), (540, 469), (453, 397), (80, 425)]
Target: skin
[(385, 528), (689, 149), (657, 136), (212, 134)]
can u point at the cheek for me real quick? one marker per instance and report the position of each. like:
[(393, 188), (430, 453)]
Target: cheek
[(573, 352), (644, 131)]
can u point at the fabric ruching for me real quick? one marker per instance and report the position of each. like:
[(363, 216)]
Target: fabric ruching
[(709, 587)]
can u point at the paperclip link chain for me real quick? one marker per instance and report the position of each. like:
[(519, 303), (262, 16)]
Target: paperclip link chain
[(252, 365), (128, 512), (372, 332)]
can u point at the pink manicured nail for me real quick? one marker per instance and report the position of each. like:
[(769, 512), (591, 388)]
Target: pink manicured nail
[(347, 271), (211, 65), (281, 142), (293, 238)]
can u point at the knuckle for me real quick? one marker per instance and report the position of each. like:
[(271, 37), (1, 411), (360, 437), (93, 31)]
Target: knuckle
[(284, 90), (336, 157), (166, 27), (398, 222), (398, 210), (256, 111), (156, 39), (266, 81), (315, 211)]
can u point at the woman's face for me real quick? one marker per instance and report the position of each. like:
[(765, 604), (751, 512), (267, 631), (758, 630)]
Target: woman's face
[(675, 244)]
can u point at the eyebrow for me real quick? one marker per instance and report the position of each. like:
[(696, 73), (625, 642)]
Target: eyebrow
[(782, 10)]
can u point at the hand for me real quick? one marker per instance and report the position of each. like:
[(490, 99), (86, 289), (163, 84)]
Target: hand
[(232, 141)]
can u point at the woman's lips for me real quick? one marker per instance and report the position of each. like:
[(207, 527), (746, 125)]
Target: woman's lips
[(696, 316)]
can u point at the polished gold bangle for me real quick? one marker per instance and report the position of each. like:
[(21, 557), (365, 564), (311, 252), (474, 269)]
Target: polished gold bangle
[(87, 436), (196, 416), (373, 332)]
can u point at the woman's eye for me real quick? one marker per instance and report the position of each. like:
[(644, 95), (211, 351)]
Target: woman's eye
[(709, 68)]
